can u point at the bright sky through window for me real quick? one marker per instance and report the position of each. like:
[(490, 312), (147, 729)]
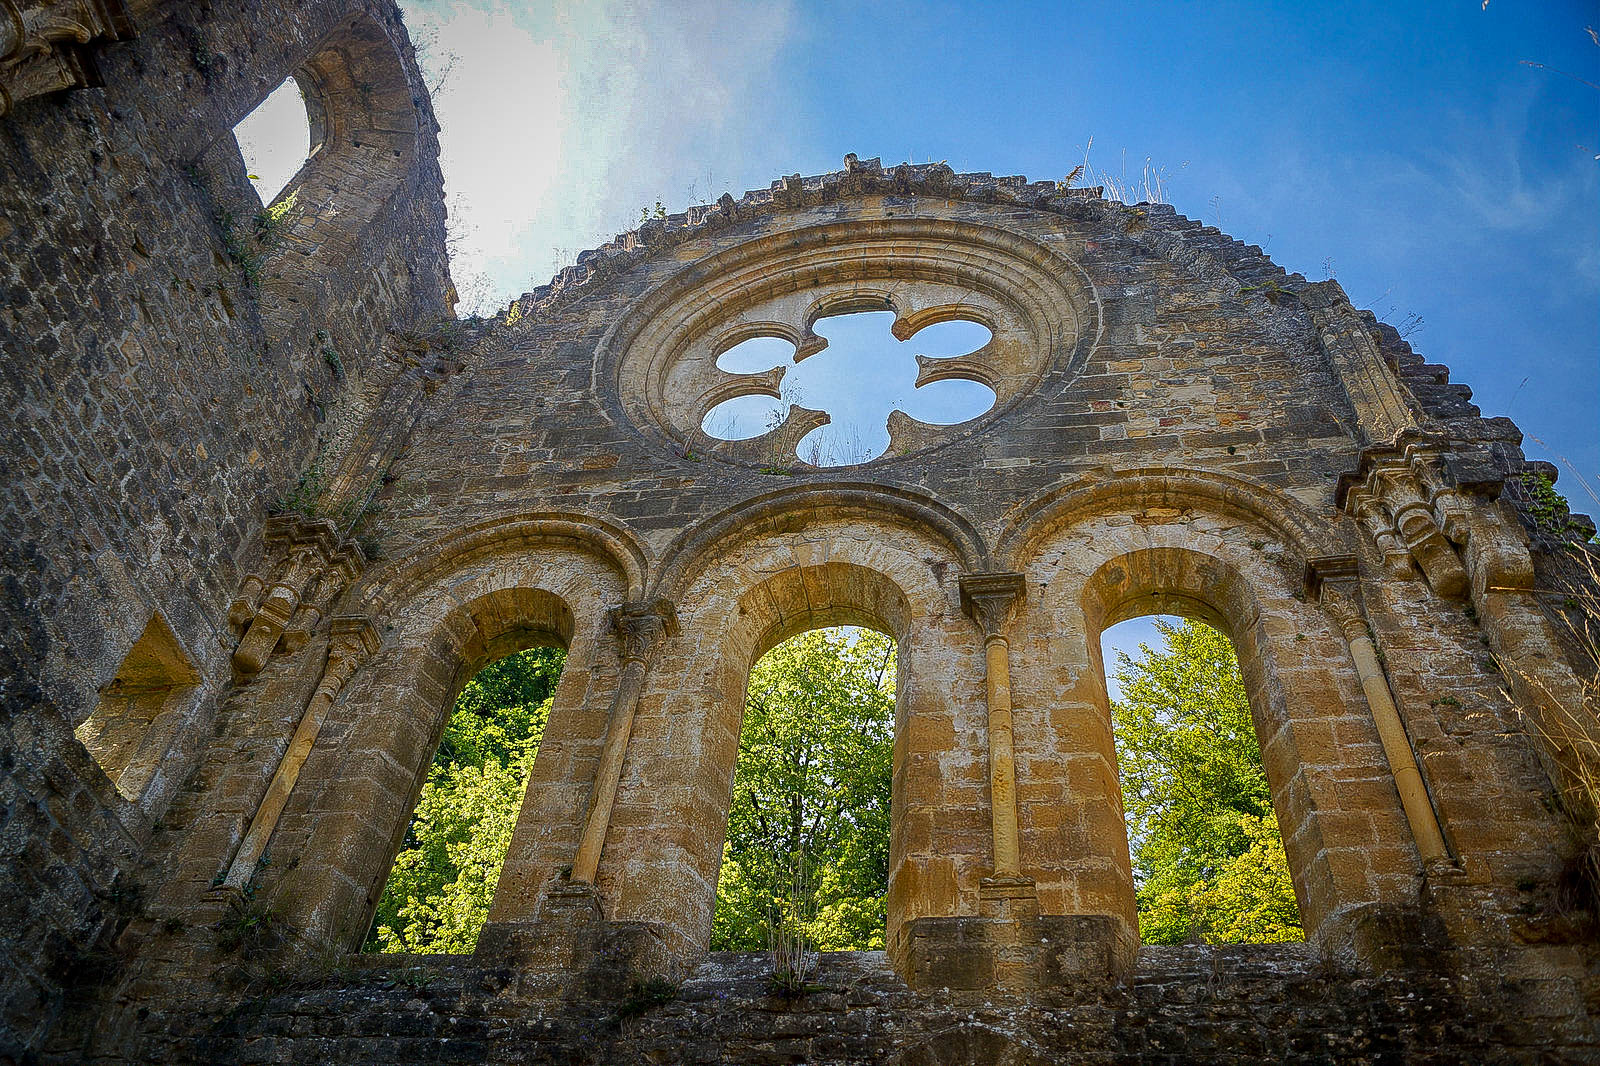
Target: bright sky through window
[(862, 375), (274, 140)]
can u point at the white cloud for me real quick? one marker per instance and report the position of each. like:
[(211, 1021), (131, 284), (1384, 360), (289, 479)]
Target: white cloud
[(561, 122)]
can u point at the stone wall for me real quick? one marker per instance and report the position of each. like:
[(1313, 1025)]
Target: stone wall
[(164, 382), (1183, 1004), (268, 506)]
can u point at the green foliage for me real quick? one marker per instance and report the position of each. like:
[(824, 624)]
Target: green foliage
[(1207, 856), (646, 995), (307, 491), (1549, 509), (808, 833), (243, 248), (330, 354), (438, 893)]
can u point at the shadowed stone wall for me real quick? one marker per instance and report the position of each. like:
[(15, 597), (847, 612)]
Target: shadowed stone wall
[(269, 505)]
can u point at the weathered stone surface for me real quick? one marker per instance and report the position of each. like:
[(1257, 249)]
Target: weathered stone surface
[(267, 505)]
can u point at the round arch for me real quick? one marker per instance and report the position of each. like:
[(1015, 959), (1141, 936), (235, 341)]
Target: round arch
[(365, 136), (1338, 810), (793, 509), (1176, 488), (383, 588), (735, 600), (437, 630)]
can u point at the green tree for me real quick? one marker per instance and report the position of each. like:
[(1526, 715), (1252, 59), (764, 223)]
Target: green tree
[(438, 893), (1208, 860), (808, 832)]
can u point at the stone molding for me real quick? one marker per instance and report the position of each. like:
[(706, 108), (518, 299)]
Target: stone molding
[(43, 45), (307, 566)]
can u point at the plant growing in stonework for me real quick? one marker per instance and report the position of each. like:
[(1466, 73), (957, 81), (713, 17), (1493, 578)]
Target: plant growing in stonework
[(1567, 731)]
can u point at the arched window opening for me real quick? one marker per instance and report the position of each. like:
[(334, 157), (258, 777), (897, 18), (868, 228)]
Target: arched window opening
[(275, 140), (806, 864), (437, 897), (1208, 858)]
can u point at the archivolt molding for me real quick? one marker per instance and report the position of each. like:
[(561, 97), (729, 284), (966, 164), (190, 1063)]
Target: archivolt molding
[(398, 583), (801, 506), (1171, 487)]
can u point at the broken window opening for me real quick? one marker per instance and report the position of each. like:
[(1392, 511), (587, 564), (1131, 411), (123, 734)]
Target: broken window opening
[(1208, 856), (275, 140), (136, 720), (438, 892)]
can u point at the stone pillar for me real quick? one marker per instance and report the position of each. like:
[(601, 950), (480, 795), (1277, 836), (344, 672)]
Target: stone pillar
[(639, 627), (352, 640), (1008, 946), (990, 599), (1339, 591)]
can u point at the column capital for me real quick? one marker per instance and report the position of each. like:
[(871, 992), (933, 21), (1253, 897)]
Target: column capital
[(640, 625), (990, 599), (1336, 582)]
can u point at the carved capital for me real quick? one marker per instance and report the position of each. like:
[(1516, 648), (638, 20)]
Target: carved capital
[(42, 44), (991, 600), (352, 639), (308, 566), (1402, 500), (1335, 581), (640, 627)]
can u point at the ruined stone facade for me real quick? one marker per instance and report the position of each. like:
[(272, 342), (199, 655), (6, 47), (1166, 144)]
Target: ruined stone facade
[(268, 505)]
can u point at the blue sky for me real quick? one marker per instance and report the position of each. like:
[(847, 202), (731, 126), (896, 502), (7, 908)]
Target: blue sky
[(1407, 149)]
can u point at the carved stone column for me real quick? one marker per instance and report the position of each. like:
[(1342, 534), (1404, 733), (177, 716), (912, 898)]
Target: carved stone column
[(991, 600), (1339, 591), (639, 628), (352, 641)]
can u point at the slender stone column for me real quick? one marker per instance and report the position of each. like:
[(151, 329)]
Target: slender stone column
[(353, 639), (1340, 594), (990, 600), (639, 627)]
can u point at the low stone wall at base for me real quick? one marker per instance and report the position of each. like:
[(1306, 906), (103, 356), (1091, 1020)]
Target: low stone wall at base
[(1268, 1003)]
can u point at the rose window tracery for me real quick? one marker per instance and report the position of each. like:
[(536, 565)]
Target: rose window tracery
[(890, 313)]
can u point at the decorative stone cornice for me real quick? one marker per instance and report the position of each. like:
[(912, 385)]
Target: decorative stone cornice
[(307, 566), (640, 627), (991, 600), (1406, 499), (42, 44)]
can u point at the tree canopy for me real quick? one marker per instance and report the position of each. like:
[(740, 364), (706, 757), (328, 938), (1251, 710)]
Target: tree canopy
[(808, 832), (438, 893), (1208, 860)]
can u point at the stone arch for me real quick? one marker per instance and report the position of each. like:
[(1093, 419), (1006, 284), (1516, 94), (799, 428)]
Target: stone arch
[(365, 124), (437, 631), (735, 600), (385, 587), (1309, 536), (1344, 829), (791, 509)]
